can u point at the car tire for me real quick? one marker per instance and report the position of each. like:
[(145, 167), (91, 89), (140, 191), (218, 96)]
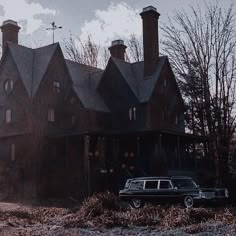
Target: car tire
[(137, 203), (188, 201)]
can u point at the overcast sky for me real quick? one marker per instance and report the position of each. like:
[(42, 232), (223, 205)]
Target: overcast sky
[(105, 20)]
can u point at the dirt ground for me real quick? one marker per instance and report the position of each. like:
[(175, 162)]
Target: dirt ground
[(29, 220)]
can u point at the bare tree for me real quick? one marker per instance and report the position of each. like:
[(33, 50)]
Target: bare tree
[(135, 49), (85, 52), (201, 46)]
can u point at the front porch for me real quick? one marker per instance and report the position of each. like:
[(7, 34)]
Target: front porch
[(81, 164)]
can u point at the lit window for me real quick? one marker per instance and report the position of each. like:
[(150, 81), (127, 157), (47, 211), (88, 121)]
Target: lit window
[(51, 116), (132, 113), (13, 152), (56, 86), (8, 116), (8, 85)]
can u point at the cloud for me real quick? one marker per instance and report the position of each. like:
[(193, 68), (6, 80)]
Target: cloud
[(25, 12), (117, 21)]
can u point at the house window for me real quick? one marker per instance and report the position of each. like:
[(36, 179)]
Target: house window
[(8, 116), (163, 115), (176, 120), (165, 82), (51, 115), (73, 119), (8, 85), (56, 87), (132, 113), (13, 152)]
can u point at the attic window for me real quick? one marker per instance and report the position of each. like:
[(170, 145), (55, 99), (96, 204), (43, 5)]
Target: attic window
[(51, 115), (8, 85), (56, 87)]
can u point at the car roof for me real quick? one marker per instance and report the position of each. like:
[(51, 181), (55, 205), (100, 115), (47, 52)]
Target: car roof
[(159, 177)]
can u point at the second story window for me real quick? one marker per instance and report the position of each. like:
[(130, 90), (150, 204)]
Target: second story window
[(8, 116), (176, 120), (56, 87), (165, 82), (73, 119), (51, 115), (132, 113)]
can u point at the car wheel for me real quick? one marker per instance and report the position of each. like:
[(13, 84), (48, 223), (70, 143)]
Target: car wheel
[(188, 201), (137, 203)]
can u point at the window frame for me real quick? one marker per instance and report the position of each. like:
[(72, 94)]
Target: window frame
[(165, 180), (51, 115), (151, 180), (8, 86), (56, 86)]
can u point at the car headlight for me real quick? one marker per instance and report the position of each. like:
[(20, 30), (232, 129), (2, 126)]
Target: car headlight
[(202, 194), (226, 192)]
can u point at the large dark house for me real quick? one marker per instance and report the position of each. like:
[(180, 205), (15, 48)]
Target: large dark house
[(72, 129)]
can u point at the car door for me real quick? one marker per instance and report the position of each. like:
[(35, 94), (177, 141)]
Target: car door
[(150, 189), (165, 190)]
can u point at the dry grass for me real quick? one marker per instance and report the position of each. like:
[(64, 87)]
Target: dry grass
[(103, 210)]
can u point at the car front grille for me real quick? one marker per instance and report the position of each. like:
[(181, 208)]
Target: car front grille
[(220, 193), (209, 194)]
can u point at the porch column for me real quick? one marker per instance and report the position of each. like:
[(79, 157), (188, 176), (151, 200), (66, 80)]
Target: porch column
[(178, 153), (194, 155), (138, 149), (87, 163), (160, 145)]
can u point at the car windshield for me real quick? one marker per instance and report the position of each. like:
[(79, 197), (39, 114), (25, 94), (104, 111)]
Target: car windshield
[(184, 183)]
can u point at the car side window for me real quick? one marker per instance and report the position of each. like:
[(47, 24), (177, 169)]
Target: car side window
[(136, 185), (165, 184), (151, 184)]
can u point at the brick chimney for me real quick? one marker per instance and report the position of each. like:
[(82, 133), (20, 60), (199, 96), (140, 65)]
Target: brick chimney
[(117, 49), (150, 18), (10, 31)]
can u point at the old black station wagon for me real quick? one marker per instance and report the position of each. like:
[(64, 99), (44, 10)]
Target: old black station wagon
[(168, 189)]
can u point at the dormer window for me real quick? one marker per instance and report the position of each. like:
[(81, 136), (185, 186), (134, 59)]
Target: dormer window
[(51, 115), (56, 86), (8, 85), (132, 113)]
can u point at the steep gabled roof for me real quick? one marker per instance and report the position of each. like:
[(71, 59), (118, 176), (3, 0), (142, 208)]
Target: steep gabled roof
[(41, 60), (32, 64), (23, 58), (133, 75), (85, 80)]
